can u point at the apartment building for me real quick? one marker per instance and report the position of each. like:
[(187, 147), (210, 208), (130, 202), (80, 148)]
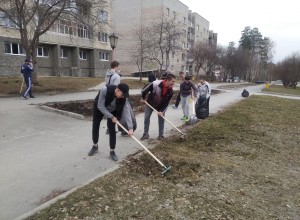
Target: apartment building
[(69, 48), (127, 15)]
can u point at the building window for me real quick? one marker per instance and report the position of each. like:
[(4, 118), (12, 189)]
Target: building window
[(174, 14), (183, 44), (187, 46), (42, 52), (172, 68), (103, 16), (182, 68), (13, 48), (184, 20), (63, 53), (173, 54), (183, 57), (168, 11), (103, 37), (104, 56), (82, 55), (198, 27), (83, 31)]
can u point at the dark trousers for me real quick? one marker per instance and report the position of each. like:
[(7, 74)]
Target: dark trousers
[(207, 105), (97, 118), (28, 90), (177, 100)]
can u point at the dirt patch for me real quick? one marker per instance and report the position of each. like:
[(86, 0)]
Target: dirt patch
[(85, 107)]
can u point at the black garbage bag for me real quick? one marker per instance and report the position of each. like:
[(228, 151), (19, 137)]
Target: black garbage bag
[(245, 93), (201, 108)]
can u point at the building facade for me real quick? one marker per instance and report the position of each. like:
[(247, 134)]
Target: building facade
[(68, 48), (127, 15)]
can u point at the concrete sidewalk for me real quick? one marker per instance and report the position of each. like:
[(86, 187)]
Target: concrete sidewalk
[(43, 153)]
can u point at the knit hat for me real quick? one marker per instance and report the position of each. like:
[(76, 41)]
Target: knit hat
[(187, 78), (124, 88), (27, 60)]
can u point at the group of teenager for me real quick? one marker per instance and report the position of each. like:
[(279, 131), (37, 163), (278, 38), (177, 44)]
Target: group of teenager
[(113, 103)]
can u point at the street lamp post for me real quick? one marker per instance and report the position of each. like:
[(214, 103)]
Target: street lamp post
[(113, 39)]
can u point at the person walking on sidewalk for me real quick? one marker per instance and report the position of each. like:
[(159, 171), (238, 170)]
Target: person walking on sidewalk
[(110, 102), (204, 90), (112, 77), (186, 93), (26, 70), (160, 94), (181, 77)]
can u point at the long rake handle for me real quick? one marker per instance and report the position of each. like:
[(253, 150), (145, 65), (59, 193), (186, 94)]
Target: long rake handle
[(118, 123), (165, 118)]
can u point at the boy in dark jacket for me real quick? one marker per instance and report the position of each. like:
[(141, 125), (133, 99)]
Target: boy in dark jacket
[(160, 94), (186, 88), (27, 69), (110, 102)]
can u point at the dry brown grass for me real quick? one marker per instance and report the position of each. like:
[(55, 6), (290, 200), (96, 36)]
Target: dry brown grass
[(240, 164)]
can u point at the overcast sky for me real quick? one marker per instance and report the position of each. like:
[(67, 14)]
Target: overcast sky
[(278, 20)]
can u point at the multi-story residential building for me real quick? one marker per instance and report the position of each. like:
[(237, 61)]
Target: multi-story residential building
[(127, 15), (69, 48)]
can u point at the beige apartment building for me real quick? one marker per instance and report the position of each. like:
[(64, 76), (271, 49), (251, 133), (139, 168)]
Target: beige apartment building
[(130, 14), (69, 48)]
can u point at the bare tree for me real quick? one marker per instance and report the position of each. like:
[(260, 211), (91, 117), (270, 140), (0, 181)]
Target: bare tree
[(165, 38), (289, 70), (199, 54), (35, 17), (139, 52)]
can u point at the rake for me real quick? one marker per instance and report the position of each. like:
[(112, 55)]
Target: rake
[(165, 168), (183, 135)]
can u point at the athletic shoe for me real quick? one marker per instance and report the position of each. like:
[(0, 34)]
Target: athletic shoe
[(186, 118), (145, 136), (161, 138), (175, 107), (93, 151), (32, 97), (24, 97), (113, 155)]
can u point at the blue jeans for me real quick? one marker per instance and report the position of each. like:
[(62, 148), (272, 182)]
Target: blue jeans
[(161, 122)]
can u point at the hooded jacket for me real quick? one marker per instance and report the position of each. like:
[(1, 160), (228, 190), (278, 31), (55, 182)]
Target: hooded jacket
[(112, 78), (155, 97)]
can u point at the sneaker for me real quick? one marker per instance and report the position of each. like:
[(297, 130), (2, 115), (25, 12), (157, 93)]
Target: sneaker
[(93, 151), (32, 97), (113, 155), (184, 118), (145, 136), (160, 138), (24, 97), (175, 107)]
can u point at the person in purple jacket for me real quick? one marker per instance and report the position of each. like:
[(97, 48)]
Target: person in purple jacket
[(26, 70)]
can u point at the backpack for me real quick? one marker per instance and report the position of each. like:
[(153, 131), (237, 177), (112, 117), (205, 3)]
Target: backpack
[(245, 93)]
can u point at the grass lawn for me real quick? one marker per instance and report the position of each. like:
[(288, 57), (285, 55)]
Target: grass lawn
[(240, 164), (282, 90), (12, 85)]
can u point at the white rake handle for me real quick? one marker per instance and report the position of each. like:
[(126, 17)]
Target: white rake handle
[(118, 123), (164, 118)]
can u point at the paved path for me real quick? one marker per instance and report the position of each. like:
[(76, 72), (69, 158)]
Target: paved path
[(43, 152)]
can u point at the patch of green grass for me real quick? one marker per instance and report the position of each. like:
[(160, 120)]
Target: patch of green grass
[(282, 90), (240, 164)]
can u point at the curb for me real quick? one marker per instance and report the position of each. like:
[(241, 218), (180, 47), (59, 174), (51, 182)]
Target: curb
[(66, 113)]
